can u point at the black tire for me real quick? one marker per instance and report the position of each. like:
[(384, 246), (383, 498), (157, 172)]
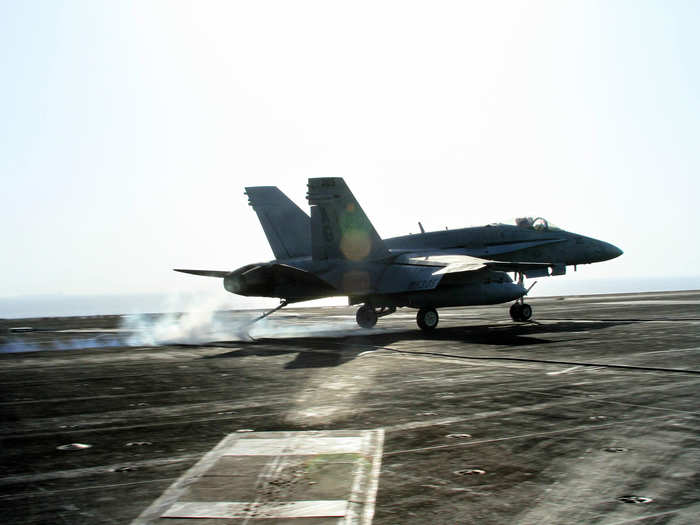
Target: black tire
[(516, 312), (366, 317), (525, 312), (427, 319)]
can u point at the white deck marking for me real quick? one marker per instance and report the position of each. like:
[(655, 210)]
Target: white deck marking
[(566, 371), (374, 477), (279, 476), (268, 510), (664, 302), (296, 447)]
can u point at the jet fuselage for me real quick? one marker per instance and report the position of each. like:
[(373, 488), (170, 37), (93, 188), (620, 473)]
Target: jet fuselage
[(504, 242)]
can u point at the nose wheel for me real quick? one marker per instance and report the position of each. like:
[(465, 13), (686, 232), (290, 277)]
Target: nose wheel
[(520, 312)]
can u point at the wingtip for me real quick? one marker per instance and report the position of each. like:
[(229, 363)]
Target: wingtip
[(204, 273)]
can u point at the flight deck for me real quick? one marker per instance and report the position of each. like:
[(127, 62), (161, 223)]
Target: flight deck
[(588, 414)]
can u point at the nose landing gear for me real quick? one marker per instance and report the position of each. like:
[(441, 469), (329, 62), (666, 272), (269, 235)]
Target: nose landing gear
[(521, 311)]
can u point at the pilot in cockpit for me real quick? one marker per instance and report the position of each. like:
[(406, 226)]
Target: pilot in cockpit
[(540, 224)]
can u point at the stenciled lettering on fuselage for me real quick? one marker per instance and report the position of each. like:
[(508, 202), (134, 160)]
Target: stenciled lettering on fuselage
[(423, 284)]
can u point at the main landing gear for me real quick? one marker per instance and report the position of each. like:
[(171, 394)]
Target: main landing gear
[(427, 319), (521, 311), (367, 314)]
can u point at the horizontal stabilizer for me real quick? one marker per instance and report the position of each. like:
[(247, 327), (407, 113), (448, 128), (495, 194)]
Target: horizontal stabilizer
[(205, 273)]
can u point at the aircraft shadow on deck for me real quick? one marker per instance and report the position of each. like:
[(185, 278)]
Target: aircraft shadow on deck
[(324, 351)]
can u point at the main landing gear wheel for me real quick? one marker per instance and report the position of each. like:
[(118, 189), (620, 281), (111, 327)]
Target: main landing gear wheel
[(520, 312), (427, 319), (366, 317)]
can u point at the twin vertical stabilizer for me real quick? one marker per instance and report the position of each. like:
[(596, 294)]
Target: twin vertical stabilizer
[(286, 226), (339, 227)]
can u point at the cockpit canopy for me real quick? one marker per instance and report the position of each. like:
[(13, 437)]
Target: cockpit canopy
[(537, 223)]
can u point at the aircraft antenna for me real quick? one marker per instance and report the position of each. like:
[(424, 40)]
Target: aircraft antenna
[(422, 230)]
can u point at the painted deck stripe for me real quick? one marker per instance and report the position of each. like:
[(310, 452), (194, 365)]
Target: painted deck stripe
[(266, 510), (295, 446), (373, 484), (664, 302), (278, 476), (558, 372)]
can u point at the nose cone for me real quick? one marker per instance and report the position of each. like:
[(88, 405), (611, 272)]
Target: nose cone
[(608, 251)]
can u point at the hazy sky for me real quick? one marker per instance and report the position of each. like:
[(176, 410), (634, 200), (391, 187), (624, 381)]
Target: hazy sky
[(129, 129)]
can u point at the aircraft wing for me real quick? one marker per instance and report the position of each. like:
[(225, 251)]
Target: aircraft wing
[(441, 261), (206, 273), (525, 267), (413, 272), (444, 264)]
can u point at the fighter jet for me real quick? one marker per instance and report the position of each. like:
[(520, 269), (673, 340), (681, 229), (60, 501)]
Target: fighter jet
[(337, 252)]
